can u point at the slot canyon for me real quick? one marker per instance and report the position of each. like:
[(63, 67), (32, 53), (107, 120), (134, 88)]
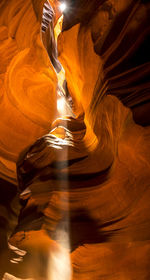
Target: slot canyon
[(74, 140)]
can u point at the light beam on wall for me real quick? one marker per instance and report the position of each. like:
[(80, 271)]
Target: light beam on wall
[(63, 7), (61, 105)]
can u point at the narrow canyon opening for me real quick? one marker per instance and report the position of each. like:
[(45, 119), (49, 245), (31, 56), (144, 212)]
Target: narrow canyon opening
[(74, 140)]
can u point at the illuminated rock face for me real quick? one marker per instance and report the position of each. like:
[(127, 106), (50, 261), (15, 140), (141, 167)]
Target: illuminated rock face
[(85, 186), (25, 72)]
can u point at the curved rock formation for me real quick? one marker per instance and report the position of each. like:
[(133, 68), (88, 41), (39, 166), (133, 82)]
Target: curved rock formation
[(84, 186), (26, 73)]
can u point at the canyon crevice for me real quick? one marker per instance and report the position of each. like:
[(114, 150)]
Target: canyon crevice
[(74, 175)]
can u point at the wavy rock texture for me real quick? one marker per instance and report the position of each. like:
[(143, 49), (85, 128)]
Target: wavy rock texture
[(85, 185), (26, 73)]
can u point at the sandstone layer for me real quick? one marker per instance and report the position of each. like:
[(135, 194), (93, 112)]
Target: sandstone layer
[(75, 188)]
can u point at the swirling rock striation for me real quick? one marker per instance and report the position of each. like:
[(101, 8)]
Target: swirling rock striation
[(85, 185)]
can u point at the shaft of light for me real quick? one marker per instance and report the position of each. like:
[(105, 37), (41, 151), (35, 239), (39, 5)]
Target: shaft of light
[(63, 7)]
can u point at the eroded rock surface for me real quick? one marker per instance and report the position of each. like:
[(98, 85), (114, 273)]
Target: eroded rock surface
[(84, 186)]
